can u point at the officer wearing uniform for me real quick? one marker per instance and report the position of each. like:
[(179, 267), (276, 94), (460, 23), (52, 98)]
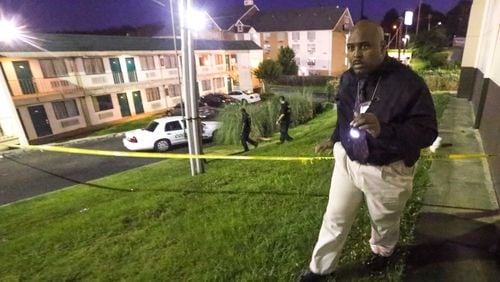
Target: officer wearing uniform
[(246, 126), (284, 120), (385, 116)]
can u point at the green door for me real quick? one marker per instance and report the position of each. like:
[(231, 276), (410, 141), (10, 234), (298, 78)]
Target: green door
[(132, 73), (40, 120), (124, 107), (139, 109), (25, 77), (116, 69)]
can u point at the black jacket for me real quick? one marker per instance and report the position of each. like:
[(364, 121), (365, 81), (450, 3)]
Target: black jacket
[(403, 106)]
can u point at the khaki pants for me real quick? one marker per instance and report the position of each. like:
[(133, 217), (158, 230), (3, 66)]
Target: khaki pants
[(386, 190)]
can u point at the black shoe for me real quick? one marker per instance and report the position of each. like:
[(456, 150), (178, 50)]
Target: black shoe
[(310, 276), (376, 262)]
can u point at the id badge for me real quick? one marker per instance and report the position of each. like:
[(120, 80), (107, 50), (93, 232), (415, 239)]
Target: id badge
[(363, 107)]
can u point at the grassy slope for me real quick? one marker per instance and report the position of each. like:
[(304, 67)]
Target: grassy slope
[(240, 221)]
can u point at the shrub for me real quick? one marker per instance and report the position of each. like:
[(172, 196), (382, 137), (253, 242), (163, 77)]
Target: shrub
[(441, 79), (264, 115)]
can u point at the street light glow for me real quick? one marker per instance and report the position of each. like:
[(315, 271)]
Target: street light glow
[(9, 30), (195, 19)]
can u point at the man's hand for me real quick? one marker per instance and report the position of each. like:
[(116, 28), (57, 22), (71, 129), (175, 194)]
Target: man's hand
[(324, 146), (368, 122)]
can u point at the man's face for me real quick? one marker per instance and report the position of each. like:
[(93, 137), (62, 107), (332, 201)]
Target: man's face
[(365, 50)]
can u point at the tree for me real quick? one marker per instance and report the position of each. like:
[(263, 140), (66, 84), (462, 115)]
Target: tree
[(390, 19), (268, 71), (286, 58), (457, 19)]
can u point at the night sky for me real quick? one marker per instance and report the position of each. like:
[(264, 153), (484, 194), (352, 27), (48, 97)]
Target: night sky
[(87, 15)]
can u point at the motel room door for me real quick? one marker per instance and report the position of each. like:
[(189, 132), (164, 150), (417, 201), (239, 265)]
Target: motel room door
[(139, 108), (124, 106), (25, 77), (40, 120)]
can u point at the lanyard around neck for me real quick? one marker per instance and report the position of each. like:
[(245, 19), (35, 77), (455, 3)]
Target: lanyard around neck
[(357, 106)]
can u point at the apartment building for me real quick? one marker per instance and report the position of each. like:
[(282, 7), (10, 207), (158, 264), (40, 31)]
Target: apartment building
[(318, 35), (58, 84)]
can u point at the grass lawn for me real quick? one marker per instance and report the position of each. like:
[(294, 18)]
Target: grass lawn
[(240, 221)]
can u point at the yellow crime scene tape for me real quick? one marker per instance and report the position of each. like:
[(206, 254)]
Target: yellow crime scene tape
[(431, 156)]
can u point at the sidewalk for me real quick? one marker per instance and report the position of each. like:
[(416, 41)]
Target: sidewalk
[(459, 225)]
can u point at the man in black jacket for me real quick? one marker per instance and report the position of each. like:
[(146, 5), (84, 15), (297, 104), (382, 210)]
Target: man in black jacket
[(284, 120), (246, 127), (385, 116)]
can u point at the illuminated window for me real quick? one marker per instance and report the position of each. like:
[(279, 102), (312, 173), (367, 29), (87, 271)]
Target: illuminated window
[(204, 60), (219, 60)]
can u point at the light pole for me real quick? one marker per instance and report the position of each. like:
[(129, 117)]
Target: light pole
[(10, 32), (188, 83)]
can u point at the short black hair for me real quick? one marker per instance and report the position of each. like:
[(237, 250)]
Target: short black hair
[(282, 97)]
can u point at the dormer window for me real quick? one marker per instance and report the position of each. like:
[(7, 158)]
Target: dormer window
[(239, 27)]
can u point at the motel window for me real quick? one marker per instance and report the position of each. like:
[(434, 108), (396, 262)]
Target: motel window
[(206, 85), (295, 35), (102, 103), (296, 48), (174, 90), (65, 109), (147, 62), (219, 82), (219, 60), (203, 60), (168, 61), (93, 65), (152, 94), (53, 68)]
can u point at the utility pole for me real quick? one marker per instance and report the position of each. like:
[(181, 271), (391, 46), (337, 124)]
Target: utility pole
[(418, 16), (189, 89)]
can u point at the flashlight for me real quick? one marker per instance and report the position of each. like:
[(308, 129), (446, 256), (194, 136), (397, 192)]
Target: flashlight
[(354, 132)]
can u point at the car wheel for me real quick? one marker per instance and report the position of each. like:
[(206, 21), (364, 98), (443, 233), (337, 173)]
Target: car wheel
[(244, 101), (162, 145)]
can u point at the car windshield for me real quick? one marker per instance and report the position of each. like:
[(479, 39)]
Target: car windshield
[(151, 126)]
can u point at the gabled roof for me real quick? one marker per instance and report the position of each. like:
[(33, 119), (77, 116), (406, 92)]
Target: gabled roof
[(311, 18), (95, 43), (228, 16)]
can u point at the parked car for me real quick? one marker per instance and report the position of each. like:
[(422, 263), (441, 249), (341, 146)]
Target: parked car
[(218, 100), (164, 132), (245, 96), (204, 111)]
